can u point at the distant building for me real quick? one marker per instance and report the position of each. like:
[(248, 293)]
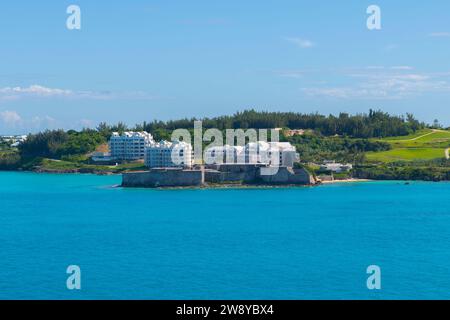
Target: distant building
[(335, 167), (294, 132), (224, 154), (169, 155), (14, 141), (129, 145)]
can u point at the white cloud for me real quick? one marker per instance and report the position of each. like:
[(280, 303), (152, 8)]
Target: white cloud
[(440, 34), (402, 68), (384, 84), (301, 43), (392, 68), (12, 122), (337, 92), (34, 90), (43, 122), (39, 91), (10, 118), (16, 93)]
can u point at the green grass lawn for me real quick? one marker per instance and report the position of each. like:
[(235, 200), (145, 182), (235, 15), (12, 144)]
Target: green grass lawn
[(51, 164), (423, 145), (422, 136), (409, 137), (406, 154)]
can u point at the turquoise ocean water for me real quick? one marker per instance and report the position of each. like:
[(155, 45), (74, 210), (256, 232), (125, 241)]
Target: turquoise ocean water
[(283, 243)]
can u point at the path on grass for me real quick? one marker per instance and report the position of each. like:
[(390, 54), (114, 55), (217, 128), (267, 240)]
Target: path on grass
[(433, 131)]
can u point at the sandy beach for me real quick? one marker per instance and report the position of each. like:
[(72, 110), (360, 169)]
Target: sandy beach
[(346, 181)]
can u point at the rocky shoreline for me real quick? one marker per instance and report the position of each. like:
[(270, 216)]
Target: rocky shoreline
[(73, 171)]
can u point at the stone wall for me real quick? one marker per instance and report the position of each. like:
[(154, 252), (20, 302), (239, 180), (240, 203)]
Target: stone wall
[(285, 175), (247, 174), (257, 174), (232, 173)]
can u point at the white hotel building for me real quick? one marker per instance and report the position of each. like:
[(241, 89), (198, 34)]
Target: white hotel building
[(129, 146), (132, 146), (169, 155)]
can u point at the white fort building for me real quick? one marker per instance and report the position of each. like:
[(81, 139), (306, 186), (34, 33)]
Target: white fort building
[(281, 154), (266, 153), (129, 146), (224, 154)]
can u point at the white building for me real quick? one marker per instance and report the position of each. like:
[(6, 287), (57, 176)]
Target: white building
[(169, 155), (336, 167), (224, 154), (271, 153), (14, 141), (130, 145)]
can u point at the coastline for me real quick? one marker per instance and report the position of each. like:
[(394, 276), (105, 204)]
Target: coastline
[(226, 187), (252, 186), (83, 171), (346, 181)]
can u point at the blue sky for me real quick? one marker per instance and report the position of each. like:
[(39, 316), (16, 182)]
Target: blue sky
[(142, 60)]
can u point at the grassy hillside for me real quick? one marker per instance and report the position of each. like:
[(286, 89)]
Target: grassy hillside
[(51, 165), (423, 145)]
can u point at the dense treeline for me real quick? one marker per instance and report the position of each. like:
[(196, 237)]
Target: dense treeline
[(316, 148), (57, 143), (374, 124)]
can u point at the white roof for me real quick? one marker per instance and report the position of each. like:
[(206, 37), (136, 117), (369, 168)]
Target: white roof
[(283, 146), (169, 145), (225, 148), (262, 145), (132, 134)]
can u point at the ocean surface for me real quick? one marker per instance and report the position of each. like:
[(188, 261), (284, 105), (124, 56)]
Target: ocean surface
[(282, 243)]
